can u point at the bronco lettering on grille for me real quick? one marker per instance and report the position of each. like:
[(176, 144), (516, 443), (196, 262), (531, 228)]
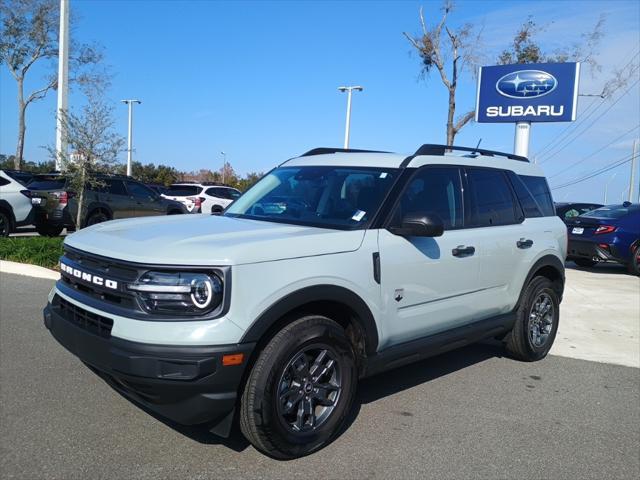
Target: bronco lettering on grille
[(88, 277)]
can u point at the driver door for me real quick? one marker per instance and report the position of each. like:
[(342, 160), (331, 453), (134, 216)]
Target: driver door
[(428, 284)]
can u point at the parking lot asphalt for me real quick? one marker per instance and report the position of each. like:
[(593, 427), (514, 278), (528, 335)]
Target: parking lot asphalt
[(471, 413), (467, 414)]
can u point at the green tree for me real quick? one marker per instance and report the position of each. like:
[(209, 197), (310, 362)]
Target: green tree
[(29, 32)]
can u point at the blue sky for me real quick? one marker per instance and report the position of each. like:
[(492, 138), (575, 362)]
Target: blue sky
[(259, 81)]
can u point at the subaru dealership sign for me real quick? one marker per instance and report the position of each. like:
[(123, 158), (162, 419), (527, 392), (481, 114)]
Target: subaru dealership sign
[(538, 92)]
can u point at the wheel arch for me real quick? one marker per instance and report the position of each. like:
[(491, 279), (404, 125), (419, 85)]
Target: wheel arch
[(94, 207), (551, 267), (338, 303)]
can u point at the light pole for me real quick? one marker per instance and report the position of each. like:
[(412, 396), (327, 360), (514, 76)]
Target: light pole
[(130, 103), (606, 186), (349, 90), (224, 164), (63, 77)]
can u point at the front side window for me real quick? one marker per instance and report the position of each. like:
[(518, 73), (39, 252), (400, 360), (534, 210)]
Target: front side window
[(139, 190), (330, 197), (491, 202), (433, 191)]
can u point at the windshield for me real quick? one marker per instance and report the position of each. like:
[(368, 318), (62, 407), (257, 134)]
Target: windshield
[(330, 197), (612, 211)]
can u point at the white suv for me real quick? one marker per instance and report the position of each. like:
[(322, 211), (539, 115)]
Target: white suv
[(202, 197), (15, 202), (336, 265)]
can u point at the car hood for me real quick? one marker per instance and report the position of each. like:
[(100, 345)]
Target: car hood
[(209, 240)]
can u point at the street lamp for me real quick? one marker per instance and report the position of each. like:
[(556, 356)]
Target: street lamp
[(130, 103), (349, 90), (224, 164)]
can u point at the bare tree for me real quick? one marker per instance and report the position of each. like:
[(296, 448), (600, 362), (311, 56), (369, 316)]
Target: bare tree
[(526, 49), (93, 144), (450, 51), (29, 33)]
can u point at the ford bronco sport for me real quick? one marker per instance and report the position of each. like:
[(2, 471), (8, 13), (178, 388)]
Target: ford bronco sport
[(336, 265)]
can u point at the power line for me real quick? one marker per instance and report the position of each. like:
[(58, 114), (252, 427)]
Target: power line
[(591, 124), (561, 137), (592, 154), (602, 170)]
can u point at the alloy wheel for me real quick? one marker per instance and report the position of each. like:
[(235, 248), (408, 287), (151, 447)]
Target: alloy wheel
[(309, 389), (541, 318)]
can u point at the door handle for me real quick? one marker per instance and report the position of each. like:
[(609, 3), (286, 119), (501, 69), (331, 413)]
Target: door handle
[(522, 243), (463, 251)]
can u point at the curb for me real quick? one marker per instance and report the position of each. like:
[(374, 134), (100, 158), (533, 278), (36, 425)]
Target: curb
[(28, 270)]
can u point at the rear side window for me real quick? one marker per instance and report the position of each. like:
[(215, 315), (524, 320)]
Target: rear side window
[(525, 197), (540, 191), (112, 186), (183, 190), (4, 181), (433, 190), (490, 201), (46, 183)]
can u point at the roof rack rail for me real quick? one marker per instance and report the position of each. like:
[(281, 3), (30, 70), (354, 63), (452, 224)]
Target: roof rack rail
[(325, 150), (435, 149)]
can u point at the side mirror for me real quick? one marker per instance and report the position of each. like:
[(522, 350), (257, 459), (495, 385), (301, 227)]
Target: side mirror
[(419, 224)]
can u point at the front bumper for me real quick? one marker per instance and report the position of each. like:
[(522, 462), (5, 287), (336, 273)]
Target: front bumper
[(188, 385), (580, 249)]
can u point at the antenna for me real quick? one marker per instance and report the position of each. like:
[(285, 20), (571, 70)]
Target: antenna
[(478, 145)]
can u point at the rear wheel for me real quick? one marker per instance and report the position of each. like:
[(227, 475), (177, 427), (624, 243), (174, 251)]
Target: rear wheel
[(5, 225), (216, 210), (536, 322), (97, 217), (583, 262), (634, 264), (300, 389), (47, 230)]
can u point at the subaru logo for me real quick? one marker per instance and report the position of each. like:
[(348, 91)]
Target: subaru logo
[(526, 84)]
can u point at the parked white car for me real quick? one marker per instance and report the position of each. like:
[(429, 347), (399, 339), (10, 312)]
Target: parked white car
[(15, 202), (335, 266), (202, 197)]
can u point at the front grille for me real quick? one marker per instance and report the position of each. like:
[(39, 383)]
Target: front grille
[(91, 322)]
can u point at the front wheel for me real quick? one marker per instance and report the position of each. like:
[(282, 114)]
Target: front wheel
[(300, 389), (536, 322), (97, 217), (5, 225)]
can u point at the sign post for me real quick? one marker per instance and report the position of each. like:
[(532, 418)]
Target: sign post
[(527, 93)]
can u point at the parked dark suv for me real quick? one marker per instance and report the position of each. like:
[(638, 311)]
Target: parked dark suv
[(117, 197)]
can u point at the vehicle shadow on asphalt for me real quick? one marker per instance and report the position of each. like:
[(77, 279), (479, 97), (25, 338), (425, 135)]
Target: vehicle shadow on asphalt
[(369, 390), (613, 268)]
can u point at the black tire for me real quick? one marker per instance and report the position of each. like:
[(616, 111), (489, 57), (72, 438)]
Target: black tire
[(522, 342), (47, 230), (263, 417), (634, 264), (583, 262), (96, 217), (216, 210), (174, 212), (5, 225)]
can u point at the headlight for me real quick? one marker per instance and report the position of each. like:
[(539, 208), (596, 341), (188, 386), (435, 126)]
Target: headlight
[(179, 292)]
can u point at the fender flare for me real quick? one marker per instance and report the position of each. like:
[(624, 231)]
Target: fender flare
[(316, 293), (545, 261)]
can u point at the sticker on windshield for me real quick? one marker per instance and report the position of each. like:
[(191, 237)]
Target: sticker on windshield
[(359, 215)]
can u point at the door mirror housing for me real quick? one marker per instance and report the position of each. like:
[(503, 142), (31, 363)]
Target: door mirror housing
[(419, 224)]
